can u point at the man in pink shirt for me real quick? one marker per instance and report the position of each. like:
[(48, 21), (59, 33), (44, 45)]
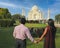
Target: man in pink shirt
[(20, 33)]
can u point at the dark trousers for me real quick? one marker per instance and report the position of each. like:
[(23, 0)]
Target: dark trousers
[(20, 43)]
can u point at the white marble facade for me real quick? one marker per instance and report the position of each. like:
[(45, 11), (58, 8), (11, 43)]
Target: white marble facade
[(35, 14)]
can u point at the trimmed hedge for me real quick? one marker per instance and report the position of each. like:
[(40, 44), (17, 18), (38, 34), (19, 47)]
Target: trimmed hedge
[(6, 22), (36, 32)]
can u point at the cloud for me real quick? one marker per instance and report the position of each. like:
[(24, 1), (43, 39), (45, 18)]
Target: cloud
[(7, 4)]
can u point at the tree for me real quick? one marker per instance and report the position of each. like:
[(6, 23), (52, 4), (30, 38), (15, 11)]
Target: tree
[(4, 13), (16, 16), (8, 15), (5, 18), (57, 18)]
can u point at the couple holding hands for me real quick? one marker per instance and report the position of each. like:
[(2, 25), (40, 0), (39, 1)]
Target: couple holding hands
[(21, 32)]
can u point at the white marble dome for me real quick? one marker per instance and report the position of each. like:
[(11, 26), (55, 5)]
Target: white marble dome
[(34, 7)]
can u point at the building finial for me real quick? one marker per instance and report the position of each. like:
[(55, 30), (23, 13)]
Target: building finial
[(48, 13), (23, 12)]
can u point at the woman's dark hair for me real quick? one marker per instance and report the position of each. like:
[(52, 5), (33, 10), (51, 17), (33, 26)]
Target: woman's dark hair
[(50, 22), (23, 20)]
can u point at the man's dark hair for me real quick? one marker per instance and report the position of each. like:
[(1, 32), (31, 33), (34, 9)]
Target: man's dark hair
[(23, 20)]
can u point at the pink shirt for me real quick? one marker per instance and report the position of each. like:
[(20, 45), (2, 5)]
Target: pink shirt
[(21, 32)]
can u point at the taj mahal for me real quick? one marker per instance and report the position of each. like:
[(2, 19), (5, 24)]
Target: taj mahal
[(35, 14)]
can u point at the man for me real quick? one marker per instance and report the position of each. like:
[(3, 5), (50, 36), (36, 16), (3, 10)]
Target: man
[(20, 33)]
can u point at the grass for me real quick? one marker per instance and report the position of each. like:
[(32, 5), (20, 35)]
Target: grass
[(35, 25), (31, 24), (7, 40)]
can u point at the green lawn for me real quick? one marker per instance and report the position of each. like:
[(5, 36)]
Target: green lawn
[(32, 24), (7, 40), (35, 25)]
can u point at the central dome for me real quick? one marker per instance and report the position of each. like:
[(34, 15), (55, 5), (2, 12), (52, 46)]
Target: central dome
[(34, 7)]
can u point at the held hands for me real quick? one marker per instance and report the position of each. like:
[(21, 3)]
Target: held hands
[(35, 41), (38, 40)]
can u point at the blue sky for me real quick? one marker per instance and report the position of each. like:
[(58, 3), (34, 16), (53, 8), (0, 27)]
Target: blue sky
[(15, 6)]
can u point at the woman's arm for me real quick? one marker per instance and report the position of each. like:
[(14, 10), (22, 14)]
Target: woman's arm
[(44, 33)]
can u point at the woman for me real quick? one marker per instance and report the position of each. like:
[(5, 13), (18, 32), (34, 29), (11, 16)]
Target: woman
[(49, 34)]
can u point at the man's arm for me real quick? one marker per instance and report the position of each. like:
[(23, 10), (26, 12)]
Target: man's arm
[(29, 35), (14, 33)]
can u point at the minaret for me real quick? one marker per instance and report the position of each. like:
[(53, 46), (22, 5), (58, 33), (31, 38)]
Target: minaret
[(41, 15), (23, 12), (48, 14)]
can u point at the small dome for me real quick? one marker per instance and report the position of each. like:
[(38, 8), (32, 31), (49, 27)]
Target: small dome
[(34, 7)]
